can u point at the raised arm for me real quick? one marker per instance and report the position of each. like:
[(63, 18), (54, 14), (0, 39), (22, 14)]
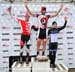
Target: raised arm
[(10, 13), (60, 28), (26, 5), (54, 15)]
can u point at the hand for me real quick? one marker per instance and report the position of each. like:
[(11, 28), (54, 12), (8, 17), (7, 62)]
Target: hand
[(33, 27), (48, 37), (11, 1), (65, 18), (9, 10), (26, 3)]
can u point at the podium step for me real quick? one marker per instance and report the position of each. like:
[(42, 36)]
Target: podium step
[(37, 66), (17, 67), (40, 67)]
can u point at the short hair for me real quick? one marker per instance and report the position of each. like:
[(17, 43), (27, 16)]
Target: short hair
[(43, 8), (54, 22)]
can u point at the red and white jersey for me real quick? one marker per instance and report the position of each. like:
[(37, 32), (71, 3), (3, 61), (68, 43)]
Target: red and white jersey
[(26, 27), (43, 20)]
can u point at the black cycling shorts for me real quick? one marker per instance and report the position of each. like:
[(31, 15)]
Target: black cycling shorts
[(42, 34), (25, 38)]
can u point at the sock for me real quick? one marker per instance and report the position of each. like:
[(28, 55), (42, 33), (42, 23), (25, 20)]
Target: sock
[(43, 53), (37, 53)]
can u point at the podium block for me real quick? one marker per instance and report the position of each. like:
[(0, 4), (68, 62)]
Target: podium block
[(17, 67), (40, 67), (37, 66), (42, 58), (59, 68)]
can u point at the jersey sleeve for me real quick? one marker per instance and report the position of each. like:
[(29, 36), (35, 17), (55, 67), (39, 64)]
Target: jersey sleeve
[(49, 32), (48, 16), (37, 15), (19, 20), (60, 28)]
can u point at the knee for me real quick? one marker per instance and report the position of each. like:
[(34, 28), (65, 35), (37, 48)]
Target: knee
[(45, 40), (54, 53), (38, 41), (28, 46), (21, 53)]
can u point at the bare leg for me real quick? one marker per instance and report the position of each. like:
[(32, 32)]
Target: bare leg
[(21, 50), (21, 53), (38, 45), (44, 46), (27, 53)]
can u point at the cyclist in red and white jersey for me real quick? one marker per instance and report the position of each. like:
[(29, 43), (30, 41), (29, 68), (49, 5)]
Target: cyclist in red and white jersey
[(25, 35), (43, 21)]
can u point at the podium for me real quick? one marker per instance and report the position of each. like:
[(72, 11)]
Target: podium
[(41, 64), (17, 67), (38, 66)]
